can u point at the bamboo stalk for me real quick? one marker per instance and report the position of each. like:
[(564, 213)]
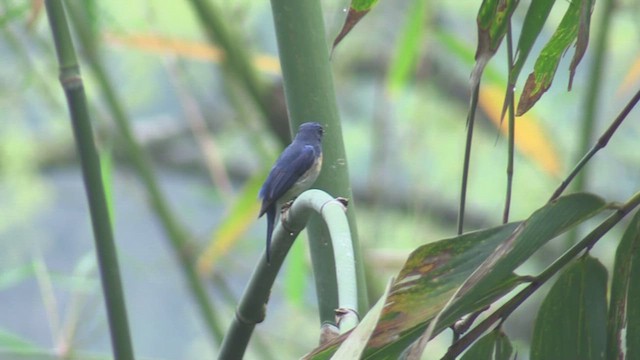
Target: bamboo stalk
[(105, 247)]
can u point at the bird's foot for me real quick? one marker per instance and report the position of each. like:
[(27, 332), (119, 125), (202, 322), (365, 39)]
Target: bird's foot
[(286, 206)]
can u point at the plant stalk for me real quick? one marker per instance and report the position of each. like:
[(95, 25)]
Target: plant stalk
[(310, 95), (177, 235), (71, 81)]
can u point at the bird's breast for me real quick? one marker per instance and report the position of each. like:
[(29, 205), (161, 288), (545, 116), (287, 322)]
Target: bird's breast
[(305, 181)]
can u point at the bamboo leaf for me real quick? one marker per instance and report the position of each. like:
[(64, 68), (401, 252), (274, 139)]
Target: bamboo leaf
[(493, 346), (546, 65), (570, 320), (532, 140), (586, 8), (407, 51), (543, 225), (493, 21), (429, 277), (633, 302), (243, 213), (355, 344), (534, 20), (480, 264), (619, 303)]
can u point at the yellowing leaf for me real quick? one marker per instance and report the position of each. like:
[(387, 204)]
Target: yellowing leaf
[(531, 138), (243, 213), (188, 49), (632, 76)]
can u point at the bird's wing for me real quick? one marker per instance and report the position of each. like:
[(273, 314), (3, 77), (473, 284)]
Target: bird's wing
[(293, 163)]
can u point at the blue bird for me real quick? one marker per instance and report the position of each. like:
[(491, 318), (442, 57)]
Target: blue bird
[(295, 171)]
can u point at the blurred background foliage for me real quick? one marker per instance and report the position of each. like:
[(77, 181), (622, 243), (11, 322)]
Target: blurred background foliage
[(401, 78)]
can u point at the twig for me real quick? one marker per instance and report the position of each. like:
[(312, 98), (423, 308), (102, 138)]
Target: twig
[(467, 156), (601, 143)]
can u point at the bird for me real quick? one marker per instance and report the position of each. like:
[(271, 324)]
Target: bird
[(295, 171)]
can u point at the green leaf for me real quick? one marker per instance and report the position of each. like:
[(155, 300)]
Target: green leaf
[(504, 349), (570, 322), (14, 344), (533, 22), (489, 281), (406, 54), (493, 346), (633, 304), (481, 349), (626, 255), (435, 272), (546, 65), (243, 213)]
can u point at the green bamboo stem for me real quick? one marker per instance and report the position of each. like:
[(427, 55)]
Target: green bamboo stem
[(176, 234), (105, 247), (308, 85), (251, 308)]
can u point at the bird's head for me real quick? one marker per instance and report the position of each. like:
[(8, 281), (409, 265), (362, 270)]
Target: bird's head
[(310, 131)]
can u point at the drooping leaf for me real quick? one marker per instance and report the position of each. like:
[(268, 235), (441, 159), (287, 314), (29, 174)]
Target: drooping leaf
[(356, 342), (586, 8), (503, 347), (482, 349), (431, 274), (407, 52), (627, 252), (242, 214), (357, 10), (546, 65), (495, 276), (493, 21), (493, 346), (570, 322), (434, 272), (531, 139), (534, 20)]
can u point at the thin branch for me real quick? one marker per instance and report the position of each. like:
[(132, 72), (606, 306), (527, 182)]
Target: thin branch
[(601, 143), (512, 129), (467, 156)]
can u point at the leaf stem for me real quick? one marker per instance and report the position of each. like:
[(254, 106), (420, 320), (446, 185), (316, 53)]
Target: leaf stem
[(467, 156)]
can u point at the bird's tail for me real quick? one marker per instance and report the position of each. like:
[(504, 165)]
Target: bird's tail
[(271, 219)]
